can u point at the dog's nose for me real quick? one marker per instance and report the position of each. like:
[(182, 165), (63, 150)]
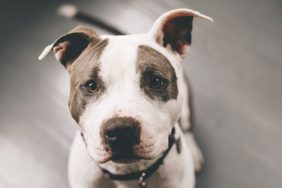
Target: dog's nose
[(121, 132)]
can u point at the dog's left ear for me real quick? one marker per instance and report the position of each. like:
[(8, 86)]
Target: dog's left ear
[(172, 30)]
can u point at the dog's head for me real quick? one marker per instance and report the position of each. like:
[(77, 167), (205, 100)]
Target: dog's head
[(126, 90)]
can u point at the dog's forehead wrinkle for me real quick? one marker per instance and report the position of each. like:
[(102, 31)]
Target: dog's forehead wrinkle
[(142, 39), (118, 61)]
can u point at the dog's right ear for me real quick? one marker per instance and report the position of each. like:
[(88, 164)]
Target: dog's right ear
[(173, 29), (69, 46)]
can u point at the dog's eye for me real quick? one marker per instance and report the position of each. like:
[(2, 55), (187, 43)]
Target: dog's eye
[(90, 86), (157, 82)]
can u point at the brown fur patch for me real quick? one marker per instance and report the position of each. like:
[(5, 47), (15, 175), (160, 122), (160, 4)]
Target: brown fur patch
[(86, 67), (151, 61)]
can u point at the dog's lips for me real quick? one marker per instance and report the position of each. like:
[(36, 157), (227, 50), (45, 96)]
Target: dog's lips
[(129, 155), (104, 160), (124, 156), (125, 161), (119, 157)]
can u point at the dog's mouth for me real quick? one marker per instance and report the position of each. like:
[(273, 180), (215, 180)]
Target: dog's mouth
[(124, 157), (126, 160), (123, 153)]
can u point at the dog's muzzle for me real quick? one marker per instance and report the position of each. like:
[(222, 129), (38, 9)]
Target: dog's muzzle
[(119, 135), (142, 176)]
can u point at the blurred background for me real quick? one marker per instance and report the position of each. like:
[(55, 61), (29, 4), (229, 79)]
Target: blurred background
[(235, 67)]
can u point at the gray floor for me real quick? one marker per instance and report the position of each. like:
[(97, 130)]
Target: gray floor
[(235, 68)]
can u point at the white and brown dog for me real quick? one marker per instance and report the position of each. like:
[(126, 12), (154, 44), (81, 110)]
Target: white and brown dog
[(130, 99)]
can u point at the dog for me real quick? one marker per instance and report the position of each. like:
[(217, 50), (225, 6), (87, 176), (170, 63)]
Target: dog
[(130, 99)]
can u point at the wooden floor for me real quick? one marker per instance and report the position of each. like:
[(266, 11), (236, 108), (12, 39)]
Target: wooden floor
[(235, 67)]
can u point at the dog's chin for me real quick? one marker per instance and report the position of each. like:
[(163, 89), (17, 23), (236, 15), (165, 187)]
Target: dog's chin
[(118, 160), (125, 156), (127, 159)]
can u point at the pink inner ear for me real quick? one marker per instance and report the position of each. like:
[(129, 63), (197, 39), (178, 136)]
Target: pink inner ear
[(177, 33), (61, 49)]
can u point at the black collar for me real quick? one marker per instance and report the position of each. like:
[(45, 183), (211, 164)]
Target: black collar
[(142, 176)]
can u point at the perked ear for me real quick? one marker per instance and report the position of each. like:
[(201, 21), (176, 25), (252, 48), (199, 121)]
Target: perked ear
[(173, 29), (69, 46)]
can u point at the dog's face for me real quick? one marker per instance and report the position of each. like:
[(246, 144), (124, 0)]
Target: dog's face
[(125, 90)]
